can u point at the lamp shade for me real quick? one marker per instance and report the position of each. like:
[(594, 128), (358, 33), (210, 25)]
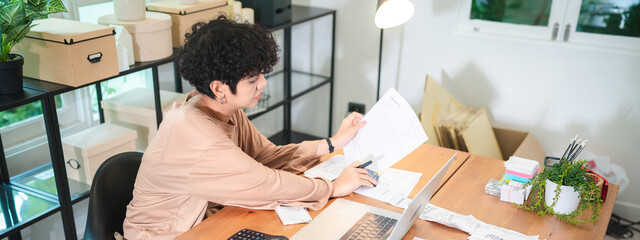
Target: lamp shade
[(391, 13)]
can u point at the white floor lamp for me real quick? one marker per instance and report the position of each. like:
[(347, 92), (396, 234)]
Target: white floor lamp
[(390, 13)]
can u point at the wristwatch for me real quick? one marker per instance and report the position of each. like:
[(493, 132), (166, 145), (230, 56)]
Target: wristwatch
[(330, 145)]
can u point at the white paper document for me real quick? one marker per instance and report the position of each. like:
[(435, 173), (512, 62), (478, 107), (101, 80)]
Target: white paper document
[(391, 133), (329, 169), (292, 215), (476, 228), (394, 186)]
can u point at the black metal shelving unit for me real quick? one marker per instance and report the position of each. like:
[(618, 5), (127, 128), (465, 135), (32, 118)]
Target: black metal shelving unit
[(70, 192)]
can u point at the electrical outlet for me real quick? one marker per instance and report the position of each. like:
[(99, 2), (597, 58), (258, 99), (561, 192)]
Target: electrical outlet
[(356, 107)]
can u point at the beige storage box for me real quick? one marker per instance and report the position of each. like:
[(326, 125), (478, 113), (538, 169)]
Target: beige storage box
[(69, 52), (183, 16), (151, 36), (86, 150), (136, 109)]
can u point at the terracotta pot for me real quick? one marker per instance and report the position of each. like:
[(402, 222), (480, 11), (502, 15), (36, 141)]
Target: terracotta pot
[(11, 75)]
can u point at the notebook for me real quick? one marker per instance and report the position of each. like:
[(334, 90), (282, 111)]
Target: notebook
[(343, 219)]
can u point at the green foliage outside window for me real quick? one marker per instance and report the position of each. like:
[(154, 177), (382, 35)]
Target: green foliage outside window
[(527, 12), (609, 17), (24, 112)]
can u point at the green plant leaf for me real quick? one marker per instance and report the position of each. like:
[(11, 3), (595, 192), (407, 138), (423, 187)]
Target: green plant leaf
[(16, 18), (11, 13)]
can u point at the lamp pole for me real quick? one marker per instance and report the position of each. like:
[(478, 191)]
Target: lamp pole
[(379, 65)]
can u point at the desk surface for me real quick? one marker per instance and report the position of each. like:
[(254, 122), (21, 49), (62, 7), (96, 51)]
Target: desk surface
[(461, 191), (464, 194), (426, 159)]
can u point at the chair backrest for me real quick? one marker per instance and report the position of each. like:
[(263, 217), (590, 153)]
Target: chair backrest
[(111, 192)]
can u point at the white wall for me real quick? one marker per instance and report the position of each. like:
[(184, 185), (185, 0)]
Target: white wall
[(553, 90)]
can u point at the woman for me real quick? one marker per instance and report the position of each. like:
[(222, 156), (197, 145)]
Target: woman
[(207, 151)]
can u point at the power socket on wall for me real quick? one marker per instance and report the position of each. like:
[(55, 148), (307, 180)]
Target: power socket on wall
[(356, 107)]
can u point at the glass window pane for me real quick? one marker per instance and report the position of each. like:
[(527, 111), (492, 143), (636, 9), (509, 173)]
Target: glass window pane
[(24, 112), (532, 12), (19, 206), (613, 17)]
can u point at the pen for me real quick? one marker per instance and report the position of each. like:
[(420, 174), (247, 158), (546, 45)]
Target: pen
[(364, 164)]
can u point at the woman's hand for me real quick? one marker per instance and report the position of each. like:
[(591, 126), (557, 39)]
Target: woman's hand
[(351, 179), (348, 129)]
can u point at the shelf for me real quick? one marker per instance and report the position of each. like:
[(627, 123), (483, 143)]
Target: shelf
[(38, 185), (41, 180), (301, 82), (28, 95), (300, 14)]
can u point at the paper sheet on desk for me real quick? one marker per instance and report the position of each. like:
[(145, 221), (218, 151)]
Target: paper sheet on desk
[(329, 169), (476, 228), (392, 131), (394, 186), (292, 215)]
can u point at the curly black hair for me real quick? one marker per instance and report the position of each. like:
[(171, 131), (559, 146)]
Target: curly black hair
[(226, 51)]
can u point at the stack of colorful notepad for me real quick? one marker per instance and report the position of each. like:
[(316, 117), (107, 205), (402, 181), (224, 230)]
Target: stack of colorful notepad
[(520, 169), (518, 172)]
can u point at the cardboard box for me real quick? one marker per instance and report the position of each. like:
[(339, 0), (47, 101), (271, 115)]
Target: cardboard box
[(183, 16), (135, 109), (85, 151), (151, 37), (69, 52), (520, 144), (438, 103)]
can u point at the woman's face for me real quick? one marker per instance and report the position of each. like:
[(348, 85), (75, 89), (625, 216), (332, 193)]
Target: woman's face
[(248, 92)]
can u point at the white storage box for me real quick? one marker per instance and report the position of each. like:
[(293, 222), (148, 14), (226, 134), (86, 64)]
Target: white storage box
[(136, 109), (151, 36), (183, 16), (86, 150), (69, 52)]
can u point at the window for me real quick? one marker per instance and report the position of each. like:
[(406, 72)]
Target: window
[(610, 23)]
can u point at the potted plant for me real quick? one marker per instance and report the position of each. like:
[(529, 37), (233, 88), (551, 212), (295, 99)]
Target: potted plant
[(566, 190), (16, 18)]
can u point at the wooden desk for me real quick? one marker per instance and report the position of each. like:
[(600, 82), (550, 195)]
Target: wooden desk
[(464, 194), (426, 159)]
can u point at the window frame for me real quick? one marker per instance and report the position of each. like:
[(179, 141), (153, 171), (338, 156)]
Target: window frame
[(563, 13)]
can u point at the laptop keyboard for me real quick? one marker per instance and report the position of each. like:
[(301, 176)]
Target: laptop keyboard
[(370, 226)]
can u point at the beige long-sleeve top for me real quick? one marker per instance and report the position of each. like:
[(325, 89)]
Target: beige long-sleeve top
[(195, 159)]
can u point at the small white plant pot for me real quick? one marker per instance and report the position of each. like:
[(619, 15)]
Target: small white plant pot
[(568, 198)]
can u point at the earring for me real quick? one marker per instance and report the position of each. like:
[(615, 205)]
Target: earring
[(221, 100)]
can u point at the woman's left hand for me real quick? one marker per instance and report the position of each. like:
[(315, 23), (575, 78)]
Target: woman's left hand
[(348, 129)]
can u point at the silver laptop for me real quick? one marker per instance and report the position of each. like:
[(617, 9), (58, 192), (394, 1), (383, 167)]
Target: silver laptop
[(345, 219)]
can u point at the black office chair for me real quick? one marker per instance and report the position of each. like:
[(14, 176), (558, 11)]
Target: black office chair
[(111, 191)]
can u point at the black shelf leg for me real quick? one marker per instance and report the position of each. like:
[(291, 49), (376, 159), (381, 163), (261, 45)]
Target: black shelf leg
[(287, 86), (57, 158), (177, 78), (156, 94), (99, 98)]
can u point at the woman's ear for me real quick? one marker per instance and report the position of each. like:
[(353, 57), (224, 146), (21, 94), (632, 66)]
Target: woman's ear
[(217, 87)]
